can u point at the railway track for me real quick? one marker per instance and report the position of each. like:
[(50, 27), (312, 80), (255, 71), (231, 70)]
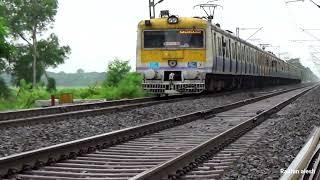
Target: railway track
[(171, 147), (22, 117), (26, 117)]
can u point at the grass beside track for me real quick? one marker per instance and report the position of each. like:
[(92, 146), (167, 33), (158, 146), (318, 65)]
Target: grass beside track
[(25, 97)]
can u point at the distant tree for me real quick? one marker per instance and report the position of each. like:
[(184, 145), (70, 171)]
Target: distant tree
[(307, 74), (78, 80), (117, 70), (27, 19), (80, 71), (51, 86)]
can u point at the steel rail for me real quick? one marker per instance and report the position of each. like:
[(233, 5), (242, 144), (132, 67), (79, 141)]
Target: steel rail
[(314, 165), (305, 158), (184, 163), (27, 113), (92, 109), (32, 159), (14, 116)]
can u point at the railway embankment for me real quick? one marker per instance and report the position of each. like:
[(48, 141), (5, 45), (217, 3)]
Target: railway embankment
[(286, 134)]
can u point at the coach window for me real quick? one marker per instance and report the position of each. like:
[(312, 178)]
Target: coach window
[(219, 47), (227, 49), (246, 59), (254, 61), (249, 59), (239, 52), (243, 55), (248, 55), (233, 51), (242, 52), (246, 50)]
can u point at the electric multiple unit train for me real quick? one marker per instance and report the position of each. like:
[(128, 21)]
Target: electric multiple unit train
[(191, 55)]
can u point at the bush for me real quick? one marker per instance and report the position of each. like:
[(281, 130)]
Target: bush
[(130, 86), (117, 70), (51, 86), (4, 90), (26, 95)]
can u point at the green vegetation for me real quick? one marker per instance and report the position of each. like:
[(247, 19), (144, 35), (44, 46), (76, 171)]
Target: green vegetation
[(117, 70), (50, 54), (5, 51), (128, 87), (4, 90), (307, 75)]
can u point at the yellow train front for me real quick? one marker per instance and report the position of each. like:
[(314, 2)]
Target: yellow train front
[(171, 55)]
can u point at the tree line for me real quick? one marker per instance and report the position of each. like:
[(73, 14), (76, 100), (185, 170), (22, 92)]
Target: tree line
[(307, 74)]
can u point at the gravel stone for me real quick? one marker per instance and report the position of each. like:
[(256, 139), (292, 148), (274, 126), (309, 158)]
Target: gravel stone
[(287, 133), (20, 139)]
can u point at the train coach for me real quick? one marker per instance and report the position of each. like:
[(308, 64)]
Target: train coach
[(185, 55)]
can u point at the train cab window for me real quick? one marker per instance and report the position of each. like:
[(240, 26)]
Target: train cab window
[(174, 39)]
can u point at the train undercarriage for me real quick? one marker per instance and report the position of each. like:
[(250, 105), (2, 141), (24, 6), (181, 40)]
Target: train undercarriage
[(213, 83)]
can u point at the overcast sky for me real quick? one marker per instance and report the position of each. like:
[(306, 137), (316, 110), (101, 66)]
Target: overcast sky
[(100, 30)]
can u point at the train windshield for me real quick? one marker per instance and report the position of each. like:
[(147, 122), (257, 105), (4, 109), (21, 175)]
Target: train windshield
[(174, 39)]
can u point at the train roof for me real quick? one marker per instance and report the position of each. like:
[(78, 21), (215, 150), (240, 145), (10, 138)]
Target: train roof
[(231, 35), (184, 22)]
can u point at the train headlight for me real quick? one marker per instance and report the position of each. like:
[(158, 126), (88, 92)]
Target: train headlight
[(190, 75), (172, 63), (173, 20), (150, 74)]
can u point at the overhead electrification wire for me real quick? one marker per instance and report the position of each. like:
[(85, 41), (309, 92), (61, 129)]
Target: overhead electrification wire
[(305, 31), (299, 26), (315, 3)]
